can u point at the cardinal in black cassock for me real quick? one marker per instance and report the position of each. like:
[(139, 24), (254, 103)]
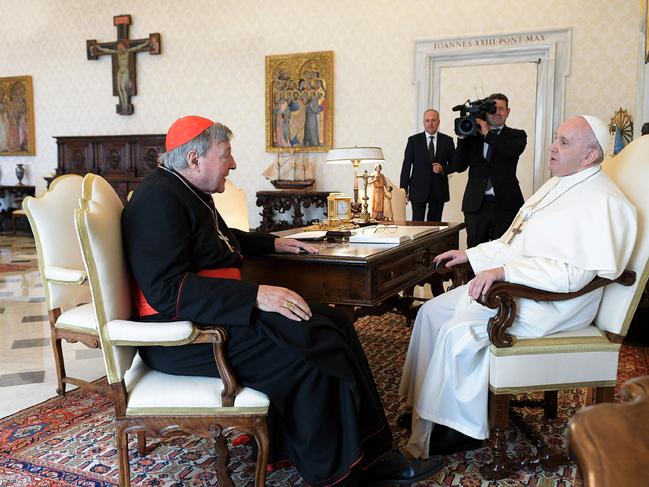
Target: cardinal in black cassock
[(325, 416)]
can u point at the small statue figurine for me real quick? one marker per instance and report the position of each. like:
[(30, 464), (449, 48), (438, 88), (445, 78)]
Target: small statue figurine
[(378, 195), (388, 215)]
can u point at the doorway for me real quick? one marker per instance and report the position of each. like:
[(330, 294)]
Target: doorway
[(529, 67), (518, 82)]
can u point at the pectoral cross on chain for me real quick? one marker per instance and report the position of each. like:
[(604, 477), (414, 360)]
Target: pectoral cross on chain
[(517, 227), (123, 52), (515, 231)]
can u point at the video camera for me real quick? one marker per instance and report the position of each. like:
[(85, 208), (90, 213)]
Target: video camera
[(465, 124)]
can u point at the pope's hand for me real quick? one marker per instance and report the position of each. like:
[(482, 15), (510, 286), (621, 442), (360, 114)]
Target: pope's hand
[(456, 256), (481, 283), (293, 246), (283, 301)]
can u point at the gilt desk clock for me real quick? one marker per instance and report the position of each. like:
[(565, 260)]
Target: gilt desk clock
[(339, 207)]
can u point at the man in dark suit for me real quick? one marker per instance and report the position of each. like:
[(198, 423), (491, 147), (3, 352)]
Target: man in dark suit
[(492, 196), (423, 174)]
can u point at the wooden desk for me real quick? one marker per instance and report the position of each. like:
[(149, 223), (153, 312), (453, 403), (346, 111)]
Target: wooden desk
[(351, 275)]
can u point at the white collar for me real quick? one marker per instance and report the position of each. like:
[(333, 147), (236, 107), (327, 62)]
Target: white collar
[(579, 175)]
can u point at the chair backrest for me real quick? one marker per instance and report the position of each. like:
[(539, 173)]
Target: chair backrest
[(398, 204), (51, 217), (233, 206), (630, 171), (98, 223)]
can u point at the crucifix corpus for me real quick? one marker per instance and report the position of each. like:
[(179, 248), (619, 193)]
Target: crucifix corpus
[(123, 52)]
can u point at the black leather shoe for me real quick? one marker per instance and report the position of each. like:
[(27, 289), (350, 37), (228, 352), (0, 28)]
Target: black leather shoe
[(452, 441), (404, 421), (394, 468)]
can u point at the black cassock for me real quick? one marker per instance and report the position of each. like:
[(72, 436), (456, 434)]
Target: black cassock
[(326, 415)]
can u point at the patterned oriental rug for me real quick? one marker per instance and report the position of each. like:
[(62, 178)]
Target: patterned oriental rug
[(69, 441)]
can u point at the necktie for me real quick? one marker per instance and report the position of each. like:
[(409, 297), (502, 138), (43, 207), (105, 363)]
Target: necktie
[(489, 189), (431, 148)]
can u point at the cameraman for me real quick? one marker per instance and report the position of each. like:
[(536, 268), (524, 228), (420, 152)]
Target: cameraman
[(492, 196)]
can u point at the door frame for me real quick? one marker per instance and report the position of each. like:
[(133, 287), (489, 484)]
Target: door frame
[(550, 49)]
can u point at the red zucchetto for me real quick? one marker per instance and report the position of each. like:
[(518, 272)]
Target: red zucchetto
[(185, 129)]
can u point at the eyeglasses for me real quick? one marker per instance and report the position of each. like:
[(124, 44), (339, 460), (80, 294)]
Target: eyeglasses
[(380, 229)]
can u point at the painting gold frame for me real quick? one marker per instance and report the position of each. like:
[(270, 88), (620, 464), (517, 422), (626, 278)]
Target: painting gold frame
[(17, 116), (300, 102), (644, 9)]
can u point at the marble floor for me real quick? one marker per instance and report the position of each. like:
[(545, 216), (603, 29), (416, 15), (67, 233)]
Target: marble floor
[(27, 371)]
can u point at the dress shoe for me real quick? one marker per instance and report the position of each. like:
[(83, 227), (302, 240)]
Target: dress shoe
[(451, 441), (394, 468), (404, 421)]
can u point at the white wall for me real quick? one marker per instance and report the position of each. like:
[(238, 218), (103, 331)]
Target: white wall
[(212, 64)]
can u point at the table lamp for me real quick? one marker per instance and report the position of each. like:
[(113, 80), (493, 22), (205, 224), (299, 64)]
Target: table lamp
[(357, 156)]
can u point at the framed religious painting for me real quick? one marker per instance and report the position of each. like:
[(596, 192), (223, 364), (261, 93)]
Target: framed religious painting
[(300, 102), (17, 117)]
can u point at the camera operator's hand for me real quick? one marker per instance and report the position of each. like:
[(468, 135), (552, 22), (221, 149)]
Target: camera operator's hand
[(484, 126), (438, 168)]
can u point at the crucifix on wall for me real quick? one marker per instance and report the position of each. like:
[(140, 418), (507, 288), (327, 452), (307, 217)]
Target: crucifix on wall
[(123, 52)]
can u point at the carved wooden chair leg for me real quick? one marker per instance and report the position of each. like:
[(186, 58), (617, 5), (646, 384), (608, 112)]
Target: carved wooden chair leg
[(141, 443), (58, 362), (550, 404), (222, 460), (55, 342), (500, 466), (590, 396), (121, 438), (549, 457), (261, 437), (604, 394)]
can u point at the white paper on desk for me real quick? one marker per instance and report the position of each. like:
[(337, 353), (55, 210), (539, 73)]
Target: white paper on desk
[(385, 235), (314, 235)]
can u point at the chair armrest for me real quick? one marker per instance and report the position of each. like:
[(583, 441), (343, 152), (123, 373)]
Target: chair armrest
[(64, 275), (170, 334), (137, 333), (501, 295), (217, 336)]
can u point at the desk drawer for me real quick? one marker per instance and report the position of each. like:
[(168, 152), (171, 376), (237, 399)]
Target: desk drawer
[(411, 267), (450, 242)]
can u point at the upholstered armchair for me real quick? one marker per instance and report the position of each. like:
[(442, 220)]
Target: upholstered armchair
[(71, 315), (586, 358), (145, 400), (233, 206), (611, 441)]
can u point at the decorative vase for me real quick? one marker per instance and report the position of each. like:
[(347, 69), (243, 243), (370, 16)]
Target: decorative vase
[(20, 173)]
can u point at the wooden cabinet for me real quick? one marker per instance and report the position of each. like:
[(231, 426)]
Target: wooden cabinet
[(123, 160)]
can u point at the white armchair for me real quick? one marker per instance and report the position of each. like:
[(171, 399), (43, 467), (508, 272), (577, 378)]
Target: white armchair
[(51, 217), (145, 400), (585, 358)]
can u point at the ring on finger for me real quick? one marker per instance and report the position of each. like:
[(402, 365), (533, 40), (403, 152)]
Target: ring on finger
[(289, 306)]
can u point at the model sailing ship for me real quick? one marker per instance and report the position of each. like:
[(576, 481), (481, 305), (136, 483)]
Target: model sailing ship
[(289, 172)]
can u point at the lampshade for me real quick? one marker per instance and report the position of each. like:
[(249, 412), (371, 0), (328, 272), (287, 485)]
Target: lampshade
[(355, 155)]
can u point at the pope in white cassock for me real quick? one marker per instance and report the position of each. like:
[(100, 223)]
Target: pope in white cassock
[(578, 225)]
